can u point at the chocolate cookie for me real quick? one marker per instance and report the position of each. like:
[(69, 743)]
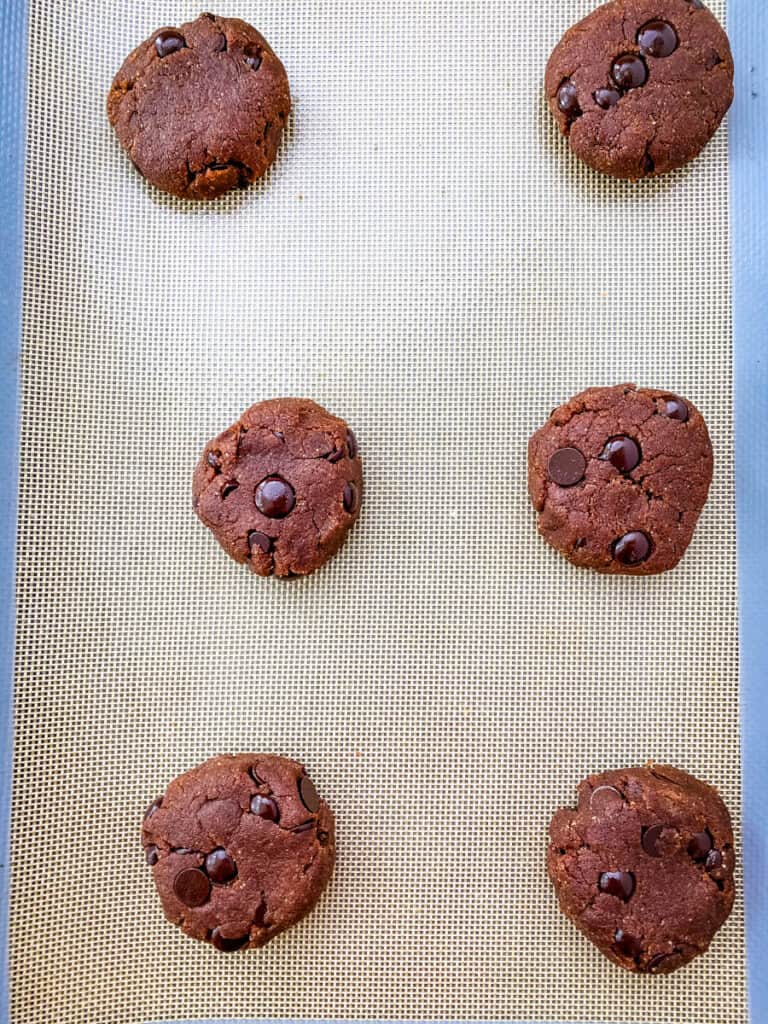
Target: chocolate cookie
[(201, 109), (281, 488), (619, 477), (640, 86), (644, 866), (240, 848)]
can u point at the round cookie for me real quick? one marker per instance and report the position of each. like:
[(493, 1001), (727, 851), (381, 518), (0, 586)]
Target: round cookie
[(201, 109), (281, 488), (619, 477), (644, 866), (640, 86), (241, 848)]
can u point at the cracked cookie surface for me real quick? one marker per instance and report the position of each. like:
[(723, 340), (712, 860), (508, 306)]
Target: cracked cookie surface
[(241, 848), (619, 476), (640, 86), (281, 488), (201, 109), (644, 865)]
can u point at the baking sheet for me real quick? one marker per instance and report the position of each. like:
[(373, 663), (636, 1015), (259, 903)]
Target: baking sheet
[(426, 260)]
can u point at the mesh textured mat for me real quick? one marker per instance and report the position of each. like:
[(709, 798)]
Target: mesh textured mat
[(428, 261)]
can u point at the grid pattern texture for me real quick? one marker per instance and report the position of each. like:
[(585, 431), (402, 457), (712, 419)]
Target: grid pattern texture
[(426, 260)]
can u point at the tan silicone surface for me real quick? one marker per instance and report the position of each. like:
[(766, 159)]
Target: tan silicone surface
[(428, 261)]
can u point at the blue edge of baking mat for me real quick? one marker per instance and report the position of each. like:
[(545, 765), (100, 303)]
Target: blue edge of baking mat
[(748, 29)]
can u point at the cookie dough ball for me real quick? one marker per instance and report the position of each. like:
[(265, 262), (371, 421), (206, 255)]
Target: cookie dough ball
[(619, 477), (644, 866), (639, 87), (201, 109), (240, 849), (281, 488)]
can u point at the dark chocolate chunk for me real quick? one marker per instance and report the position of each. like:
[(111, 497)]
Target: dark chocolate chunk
[(260, 541), (567, 100), (676, 409), (617, 883), (275, 497), (308, 794), (629, 72), (169, 41), (700, 845), (657, 39), (607, 97), (226, 944), (567, 467), (623, 453), (632, 549), (192, 887), (627, 945), (651, 838), (265, 807), (349, 497), (220, 866)]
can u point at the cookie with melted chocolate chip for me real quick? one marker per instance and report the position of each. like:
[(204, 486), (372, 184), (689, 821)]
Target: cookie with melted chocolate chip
[(281, 488), (619, 476), (240, 848), (640, 86), (643, 866), (201, 109)]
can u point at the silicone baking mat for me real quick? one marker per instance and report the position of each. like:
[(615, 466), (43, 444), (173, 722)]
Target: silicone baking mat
[(426, 260)]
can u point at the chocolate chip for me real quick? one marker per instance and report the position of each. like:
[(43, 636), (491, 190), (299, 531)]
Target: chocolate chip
[(168, 42), (698, 4), (308, 794), (153, 855), (567, 100), (617, 883), (656, 961), (226, 944), (649, 165), (221, 44), (605, 798), (154, 806), (567, 467), (275, 497), (714, 860), (607, 98), (657, 38), (252, 57), (192, 887), (626, 945), (336, 455), (650, 840), (257, 539), (322, 838), (214, 459), (220, 866), (256, 778), (265, 807), (352, 445), (622, 452), (229, 488), (633, 548), (304, 827), (700, 845), (676, 409), (629, 72), (349, 497)]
